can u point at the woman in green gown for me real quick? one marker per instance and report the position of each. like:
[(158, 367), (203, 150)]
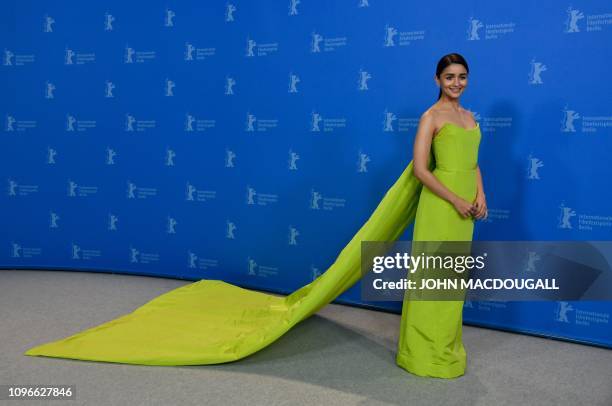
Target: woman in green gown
[(451, 199), (213, 322)]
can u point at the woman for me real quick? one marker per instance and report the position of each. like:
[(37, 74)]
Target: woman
[(212, 322), (451, 199)]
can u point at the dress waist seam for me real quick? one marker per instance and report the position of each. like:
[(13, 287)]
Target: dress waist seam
[(455, 170)]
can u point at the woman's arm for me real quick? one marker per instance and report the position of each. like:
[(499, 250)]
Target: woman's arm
[(422, 149), (480, 190), (480, 203)]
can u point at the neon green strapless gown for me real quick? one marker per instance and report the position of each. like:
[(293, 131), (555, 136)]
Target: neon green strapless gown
[(430, 331), (212, 322)]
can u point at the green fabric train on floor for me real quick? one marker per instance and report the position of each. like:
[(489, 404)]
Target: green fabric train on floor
[(212, 322)]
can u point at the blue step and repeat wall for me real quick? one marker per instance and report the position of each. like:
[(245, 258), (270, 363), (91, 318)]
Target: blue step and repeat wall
[(249, 140)]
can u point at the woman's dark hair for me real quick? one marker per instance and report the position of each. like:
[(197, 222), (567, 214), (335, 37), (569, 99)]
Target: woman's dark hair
[(447, 60)]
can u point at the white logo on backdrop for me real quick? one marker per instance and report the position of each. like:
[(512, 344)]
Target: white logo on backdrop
[(75, 251), (78, 58), (565, 216), (314, 272), (48, 24), (169, 88), (169, 18), (315, 198), (495, 215), (49, 89), (362, 162), (16, 189), (108, 89), (139, 192), (492, 31), (249, 48), (80, 253), (76, 190), (193, 194), (10, 122), (563, 308), (189, 120), (192, 124), (329, 124), (131, 124), (293, 234), (252, 266), (11, 59), (131, 189), (263, 49), (580, 317), (293, 11), (134, 255), (192, 259), (362, 82), (473, 26), (293, 157), (261, 199), (68, 60), (293, 81), (229, 12), (256, 269), (567, 123), (231, 227), (170, 155), (51, 154), (133, 56), (405, 37), (388, 120), (250, 122), (229, 158), (129, 54), (316, 41), (535, 73), (390, 34), (12, 187), (318, 201), (171, 225), (108, 21), (110, 156), (532, 258), (314, 121), (8, 58), (533, 166), (70, 122), (250, 197), (588, 124), (229, 85), (53, 219), (189, 49), (586, 221), (573, 16), (112, 222), (15, 250)]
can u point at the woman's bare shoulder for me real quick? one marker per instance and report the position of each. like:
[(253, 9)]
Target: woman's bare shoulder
[(469, 116), (430, 118)]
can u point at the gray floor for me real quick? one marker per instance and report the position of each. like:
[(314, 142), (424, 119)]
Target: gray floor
[(342, 355)]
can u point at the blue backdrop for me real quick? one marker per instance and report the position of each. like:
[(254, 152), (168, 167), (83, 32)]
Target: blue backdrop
[(249, 140)]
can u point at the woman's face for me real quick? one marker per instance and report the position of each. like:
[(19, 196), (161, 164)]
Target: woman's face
[(453, 80)]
